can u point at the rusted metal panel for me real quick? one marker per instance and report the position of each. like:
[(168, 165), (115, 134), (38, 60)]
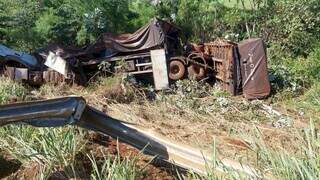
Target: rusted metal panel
[(254, 69), (9, 72), (52, 76), (35, 77), (17, 73), (223, 58)]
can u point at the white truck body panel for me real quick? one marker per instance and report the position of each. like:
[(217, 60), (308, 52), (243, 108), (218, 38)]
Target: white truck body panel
[(159, 68), (56, 63)]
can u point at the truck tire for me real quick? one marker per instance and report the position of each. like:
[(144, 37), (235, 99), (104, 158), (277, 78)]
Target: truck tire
[(196, 72), (177, 70)]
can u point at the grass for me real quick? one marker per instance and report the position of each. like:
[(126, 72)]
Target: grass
[(113, 168), (306, 106), (312, 98), (193, 112), (62, 150), (10, 90), (278, 164), (304, 164), (45, 151), (50, 149)]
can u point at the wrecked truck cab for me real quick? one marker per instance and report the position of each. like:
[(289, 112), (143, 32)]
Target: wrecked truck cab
[(134, 51), (8, 55), (19, 65), (57, 63), (29, 68)]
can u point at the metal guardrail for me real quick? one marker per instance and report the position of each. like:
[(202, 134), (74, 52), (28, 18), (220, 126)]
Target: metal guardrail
[(74, 111)]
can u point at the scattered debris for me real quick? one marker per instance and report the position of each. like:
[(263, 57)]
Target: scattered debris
[(282, 120)]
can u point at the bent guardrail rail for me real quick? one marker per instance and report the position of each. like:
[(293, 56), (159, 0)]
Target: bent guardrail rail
[(74, 111)]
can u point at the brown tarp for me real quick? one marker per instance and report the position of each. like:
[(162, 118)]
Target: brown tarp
[(147, 37), (253, 60), (150, 36)]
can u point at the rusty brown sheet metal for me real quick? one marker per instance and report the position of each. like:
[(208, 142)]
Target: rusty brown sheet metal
[(17, 73), (74, 111), (37, 77), (253, 59), (224, 63)]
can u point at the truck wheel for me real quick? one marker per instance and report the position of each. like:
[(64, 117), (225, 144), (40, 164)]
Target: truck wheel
[(177, 70), (196, 72)]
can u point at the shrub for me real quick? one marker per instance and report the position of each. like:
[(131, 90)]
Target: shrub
[(312, 97), (296, 74)]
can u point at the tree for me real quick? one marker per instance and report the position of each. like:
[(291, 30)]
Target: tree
[(17, 19)]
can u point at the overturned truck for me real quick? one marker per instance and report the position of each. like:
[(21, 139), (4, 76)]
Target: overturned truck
[(241, 68), (155, 50), (58, 63)]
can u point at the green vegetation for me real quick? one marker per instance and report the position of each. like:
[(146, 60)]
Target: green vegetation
[(290, 29), (114, 168), (10, 90), (50, 149), (303, 165), (62, 150)]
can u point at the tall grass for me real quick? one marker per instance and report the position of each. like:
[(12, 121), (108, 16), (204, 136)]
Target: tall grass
[(10, 89), (281, 164), (276, 163), (113, 168), (312, 97), (50, 149), (58, 150)]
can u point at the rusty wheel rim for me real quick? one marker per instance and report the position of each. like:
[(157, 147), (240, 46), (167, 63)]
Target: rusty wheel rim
[(175, 69)]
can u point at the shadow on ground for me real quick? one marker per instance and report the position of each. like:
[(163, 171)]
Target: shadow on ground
[(8, 167)]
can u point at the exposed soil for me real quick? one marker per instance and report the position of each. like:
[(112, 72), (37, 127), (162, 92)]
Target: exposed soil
[(99, 146), (153, 169), (233, 139), (8, 166)]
